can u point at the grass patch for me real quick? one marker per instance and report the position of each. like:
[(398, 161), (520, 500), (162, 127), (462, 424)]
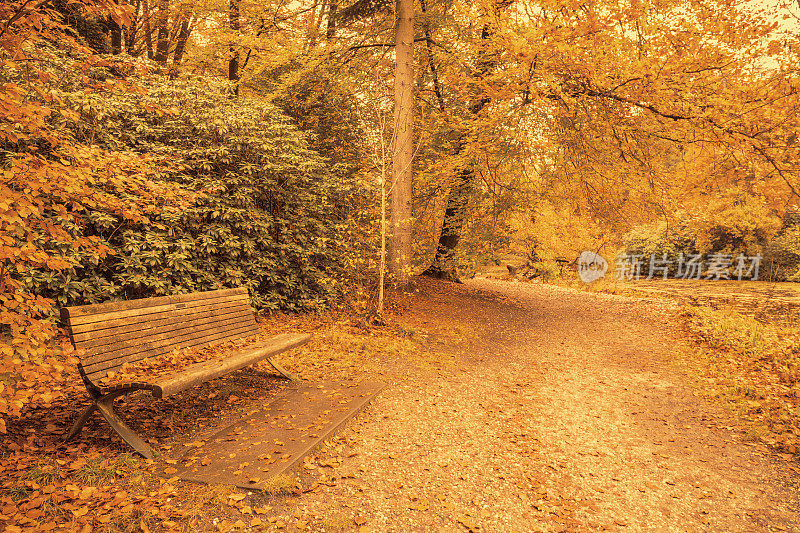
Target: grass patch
[(18, 492), (406, 331), (278, 485), (606, 285), (99, 470), (754, 367), (46, 473)]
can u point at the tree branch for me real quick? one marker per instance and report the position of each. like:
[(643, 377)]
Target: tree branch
[(380, 45), (772, 162), (20, 12)]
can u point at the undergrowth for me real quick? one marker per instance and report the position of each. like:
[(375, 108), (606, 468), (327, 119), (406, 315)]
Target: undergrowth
[(754, 367)]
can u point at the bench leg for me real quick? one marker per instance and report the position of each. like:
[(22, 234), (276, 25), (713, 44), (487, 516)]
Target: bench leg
[(281, 371), (81, 421), (106, 408)]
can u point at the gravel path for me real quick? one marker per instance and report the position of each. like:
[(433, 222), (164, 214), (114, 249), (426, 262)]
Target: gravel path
[(553, 410)]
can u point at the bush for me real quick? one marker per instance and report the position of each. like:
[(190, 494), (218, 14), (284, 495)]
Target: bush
[(732, 223), (660, 238), (256, 209), (784, 249)]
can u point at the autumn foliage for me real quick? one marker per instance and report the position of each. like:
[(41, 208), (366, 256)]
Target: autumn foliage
[(44, 175), (151, 148), (113, 187)]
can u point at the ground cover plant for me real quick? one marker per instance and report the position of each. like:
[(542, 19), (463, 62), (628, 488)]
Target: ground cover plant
[(754, 365)]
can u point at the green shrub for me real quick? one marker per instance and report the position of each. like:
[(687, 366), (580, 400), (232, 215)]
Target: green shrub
[(660, 238), (734, 223), (784, 249), (257, 205)]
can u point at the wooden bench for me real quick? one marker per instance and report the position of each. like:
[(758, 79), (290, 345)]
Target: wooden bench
[(113, 334)]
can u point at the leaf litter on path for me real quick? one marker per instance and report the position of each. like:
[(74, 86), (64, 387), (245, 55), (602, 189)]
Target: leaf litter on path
[(561, 412)]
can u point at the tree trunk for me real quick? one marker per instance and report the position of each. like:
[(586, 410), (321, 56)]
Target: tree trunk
[(455, 212), (330, 31), (437, 87), (148, 30), (130, 31), (442, 266), (183, 36), (233, 63), (116, 36), (162, 45), (403, 149)]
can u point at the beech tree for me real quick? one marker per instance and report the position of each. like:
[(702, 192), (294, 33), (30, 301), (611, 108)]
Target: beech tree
[(463, 181), (403, 148)]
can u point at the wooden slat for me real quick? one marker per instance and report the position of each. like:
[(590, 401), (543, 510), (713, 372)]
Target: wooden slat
[(165, 340), (116, 333), (101, 369), (100, 321), (99, 372), (82, 332), (75, 313), (171, 323), (231, 332), (202, 372)]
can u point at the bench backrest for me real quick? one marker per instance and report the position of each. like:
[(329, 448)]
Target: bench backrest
[(115, 333)]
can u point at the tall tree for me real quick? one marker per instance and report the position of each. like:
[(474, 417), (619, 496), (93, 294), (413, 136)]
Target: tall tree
[(162, 44), (403, 149), (463, 181), (233, 62)]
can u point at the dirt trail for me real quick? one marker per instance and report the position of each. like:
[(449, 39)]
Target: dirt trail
[(558, 411)]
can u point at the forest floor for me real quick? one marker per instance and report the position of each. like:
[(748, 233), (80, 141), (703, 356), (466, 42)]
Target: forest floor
[(768, 301), (560, 410), (509, 407)]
